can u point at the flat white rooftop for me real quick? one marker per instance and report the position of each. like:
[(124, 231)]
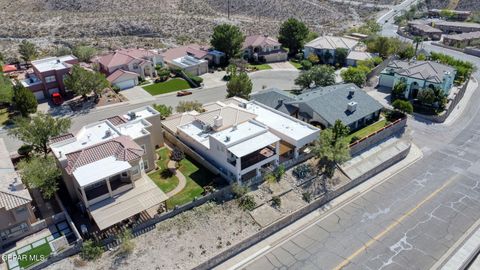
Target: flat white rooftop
[(236, 134), (134, 129), (89, 135), (141, 113), (251, 145), (90, 173), (275, 120), (187, 61), (52, 63)]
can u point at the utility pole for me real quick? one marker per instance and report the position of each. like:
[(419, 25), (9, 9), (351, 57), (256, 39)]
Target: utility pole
[(228, 9)]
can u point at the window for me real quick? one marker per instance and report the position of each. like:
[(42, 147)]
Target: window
[(50, 79), (135, 170), (124, 174), (145, 164), (21, 210)]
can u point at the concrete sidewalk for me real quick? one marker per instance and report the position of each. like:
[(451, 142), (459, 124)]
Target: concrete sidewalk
[(330, 208)]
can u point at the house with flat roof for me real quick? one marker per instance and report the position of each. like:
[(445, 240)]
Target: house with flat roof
[(241, 137), (263, 48), (16, 213), (193, 58), (421, 28), (322, 106), (104, 164), (417, 75), (462, 40), (325, 46), (123, 67), (48, 75)]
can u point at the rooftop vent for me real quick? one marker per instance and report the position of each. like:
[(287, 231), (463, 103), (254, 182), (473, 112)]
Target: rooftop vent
[(218, 121), (351, 93), (227, 138), (108, 133), (58, 61), (132, 115), (352, 106)]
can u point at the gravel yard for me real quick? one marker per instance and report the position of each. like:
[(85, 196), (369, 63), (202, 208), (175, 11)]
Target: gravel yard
[(170, 245)]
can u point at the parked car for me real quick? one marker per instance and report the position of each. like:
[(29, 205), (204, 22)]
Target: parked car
[(183, 93), (57, 99)]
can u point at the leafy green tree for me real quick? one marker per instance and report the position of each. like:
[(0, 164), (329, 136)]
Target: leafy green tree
[(239, 190), (38, 130), (354, 75), (187, 106), (426, 96), (407, 52), (322, 75), (126, 244), (24, 100), (84, 82), (164, 110), (27, 50), (306, 65), (331, 150), (311, 36), (341, 56), (313, 58), (6, 90), (84, 53), (292, 35), (227, 38), (62, 50), (398, 91), (41, 173), (403, 106), (239, 85), (339, 130)]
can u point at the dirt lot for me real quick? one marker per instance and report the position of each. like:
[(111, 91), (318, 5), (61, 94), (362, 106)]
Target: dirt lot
[(115, 23), (181, 242)]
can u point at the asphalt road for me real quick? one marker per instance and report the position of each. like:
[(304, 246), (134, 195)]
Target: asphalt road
[(412, 219), (282, 79)]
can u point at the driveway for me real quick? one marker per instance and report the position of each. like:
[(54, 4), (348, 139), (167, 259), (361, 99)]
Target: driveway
[(282, 65), (136, 93), (213, 79)]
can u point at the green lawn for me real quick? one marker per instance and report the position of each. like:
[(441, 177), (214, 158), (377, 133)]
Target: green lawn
[(197, 177), (3, 116), (165, 184), (167, 87), (297, 65), (260, 66), (361, 133), (35, 255)]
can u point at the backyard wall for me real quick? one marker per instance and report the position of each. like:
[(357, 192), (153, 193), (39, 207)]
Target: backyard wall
[(394, 129), (284, 222)]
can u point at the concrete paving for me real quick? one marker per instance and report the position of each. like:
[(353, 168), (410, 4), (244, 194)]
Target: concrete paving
[(136, 93)]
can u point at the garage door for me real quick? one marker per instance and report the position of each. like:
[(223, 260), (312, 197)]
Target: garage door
[(39, 95), (125, 84), (53, 90), (386, 81)]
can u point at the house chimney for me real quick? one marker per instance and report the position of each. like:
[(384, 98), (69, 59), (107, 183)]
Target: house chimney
[(352, 106)]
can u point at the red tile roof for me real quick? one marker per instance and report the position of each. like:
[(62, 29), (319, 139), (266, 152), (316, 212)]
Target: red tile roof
[(9, 68), (119, 73), (194, 50), (123, 57), (117, 120), (122, 148), (259, 40), (62, 137)]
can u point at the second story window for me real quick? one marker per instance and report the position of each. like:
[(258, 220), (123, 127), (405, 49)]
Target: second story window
[(50, 79)]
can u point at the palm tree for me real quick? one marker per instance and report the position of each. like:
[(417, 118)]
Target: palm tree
[(417, 40)]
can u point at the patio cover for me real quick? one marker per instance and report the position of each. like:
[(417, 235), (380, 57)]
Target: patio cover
[(251, 145)]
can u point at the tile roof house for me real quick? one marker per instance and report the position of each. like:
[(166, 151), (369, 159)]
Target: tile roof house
[(16, 213), (123, 67), (417, 75), (241, 137), (193, 58), (48, 75), (421, 28), (324, 105), (325, 46), (103, 166), (263, 48)]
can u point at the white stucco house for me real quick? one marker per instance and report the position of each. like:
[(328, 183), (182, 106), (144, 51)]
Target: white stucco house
[(325, 46)]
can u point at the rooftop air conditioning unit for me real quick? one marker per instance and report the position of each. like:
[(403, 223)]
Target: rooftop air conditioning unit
[(352, 106), (218, 121)]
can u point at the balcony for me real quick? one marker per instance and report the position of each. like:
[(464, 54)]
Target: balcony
[(257, 157)]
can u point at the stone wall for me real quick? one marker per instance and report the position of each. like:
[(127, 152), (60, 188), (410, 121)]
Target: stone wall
[(394, 129), (284, 222)]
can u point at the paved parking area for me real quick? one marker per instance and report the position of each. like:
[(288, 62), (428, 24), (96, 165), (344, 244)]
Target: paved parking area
[(213, 79)]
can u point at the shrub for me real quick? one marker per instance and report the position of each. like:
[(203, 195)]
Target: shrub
[(302, 171), (306, 65), (307, 196), (197, 80), (116, 89), (354, 139), (276, 201), (126, 245), (166, 173), (269, 178), (247, 203), (299, 56), (239, 190), (90, 251), (25, 150), (279, 172), (403, 106)]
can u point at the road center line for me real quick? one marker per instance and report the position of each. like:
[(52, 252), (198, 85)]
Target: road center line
[(392, 225)]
